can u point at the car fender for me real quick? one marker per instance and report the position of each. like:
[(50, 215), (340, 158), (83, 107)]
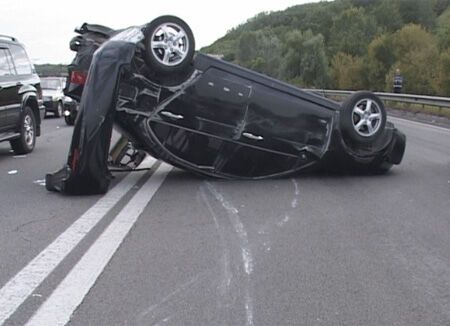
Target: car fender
[(30, 98)]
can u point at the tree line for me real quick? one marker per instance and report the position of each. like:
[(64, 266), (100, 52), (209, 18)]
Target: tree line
[(348, 44)]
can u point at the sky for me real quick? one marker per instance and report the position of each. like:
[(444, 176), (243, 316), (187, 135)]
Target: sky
[(45, 27)]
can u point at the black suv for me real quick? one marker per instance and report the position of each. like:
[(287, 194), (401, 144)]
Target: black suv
[(21, 107)]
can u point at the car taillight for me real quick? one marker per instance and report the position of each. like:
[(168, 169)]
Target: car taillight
[(78, 77)]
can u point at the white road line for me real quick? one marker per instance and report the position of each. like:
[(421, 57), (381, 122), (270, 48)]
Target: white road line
[(18, 288), (59, 307), (419, 124)]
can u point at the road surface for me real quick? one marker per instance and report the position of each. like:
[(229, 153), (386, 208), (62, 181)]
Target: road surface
[(168, 248)]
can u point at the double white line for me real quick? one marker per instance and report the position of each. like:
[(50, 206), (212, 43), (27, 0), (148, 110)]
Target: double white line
[(58, 308)]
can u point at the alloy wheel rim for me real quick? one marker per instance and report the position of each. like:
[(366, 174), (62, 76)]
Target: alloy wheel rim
[(29, 130), (366, 117), (170, 44)]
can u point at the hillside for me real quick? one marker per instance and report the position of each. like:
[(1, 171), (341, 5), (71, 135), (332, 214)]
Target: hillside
[(348, 44)]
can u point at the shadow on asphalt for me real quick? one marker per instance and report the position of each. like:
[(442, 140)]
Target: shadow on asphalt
[(186, 176)]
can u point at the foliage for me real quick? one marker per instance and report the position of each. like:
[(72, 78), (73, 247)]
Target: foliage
[(348, 43), (305, 59), (442, 81), (261, 51), (348, 72), (443, 29), (353, 30), (51, 70), (417, 12)]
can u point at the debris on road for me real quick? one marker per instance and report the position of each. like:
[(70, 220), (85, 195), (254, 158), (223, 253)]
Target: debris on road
[(40, 182)]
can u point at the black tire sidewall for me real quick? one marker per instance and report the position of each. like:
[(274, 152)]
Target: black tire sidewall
[(346, 118), (20, 145), (150, 59), (59, 112), (70, 121)]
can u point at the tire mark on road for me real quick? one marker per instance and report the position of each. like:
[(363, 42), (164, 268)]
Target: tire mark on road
[(246, 253)]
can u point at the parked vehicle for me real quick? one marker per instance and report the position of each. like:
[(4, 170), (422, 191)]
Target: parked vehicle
[(21, 108), (52, 93), (206, 115)]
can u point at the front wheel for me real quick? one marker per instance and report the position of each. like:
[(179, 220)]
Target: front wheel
[(70, 121), (59, 110), (169, 45), (363, 118), (25, 143)]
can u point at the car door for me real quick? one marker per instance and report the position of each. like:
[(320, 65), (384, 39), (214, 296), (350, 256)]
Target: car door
[(195, 124), (8, 88), (24, 71), (281, 132)]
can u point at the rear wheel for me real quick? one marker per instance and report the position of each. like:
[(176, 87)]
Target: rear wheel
[(25, 143), (169, 45)]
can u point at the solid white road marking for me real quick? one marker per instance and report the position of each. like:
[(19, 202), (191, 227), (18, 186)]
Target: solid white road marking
[(18, 288), (419, 124), (59, 307)]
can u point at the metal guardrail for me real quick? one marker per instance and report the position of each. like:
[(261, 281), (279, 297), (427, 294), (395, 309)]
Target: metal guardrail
[(442, 102)]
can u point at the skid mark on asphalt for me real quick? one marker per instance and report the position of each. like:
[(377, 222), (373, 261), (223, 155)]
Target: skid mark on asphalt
[(267, 227), (169, 300), (294, 202), (247, 257), (227, 274)]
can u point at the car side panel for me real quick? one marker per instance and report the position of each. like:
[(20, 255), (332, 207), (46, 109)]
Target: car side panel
[(8, 100), (286, 123)]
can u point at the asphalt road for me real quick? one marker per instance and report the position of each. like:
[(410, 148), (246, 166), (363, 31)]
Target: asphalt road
[(168, 248)]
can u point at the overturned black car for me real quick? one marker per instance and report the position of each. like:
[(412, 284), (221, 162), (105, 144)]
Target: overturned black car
[(207, 116)]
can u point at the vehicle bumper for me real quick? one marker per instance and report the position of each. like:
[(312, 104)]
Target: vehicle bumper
[(50, 106), (396, 148)]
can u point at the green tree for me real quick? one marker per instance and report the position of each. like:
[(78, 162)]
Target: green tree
[(439, 6), (443, 30), (442, 81), (380, 58), (306, 59), (411, 38), (352, 32), (261, 51), (417, 12), (348, 72), (415, 50), (387, 15)]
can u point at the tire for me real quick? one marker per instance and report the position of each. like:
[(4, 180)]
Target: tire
[(27, 140), (363, 118), (164, 53), (382, 167), (70, 121), (59, 110)]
